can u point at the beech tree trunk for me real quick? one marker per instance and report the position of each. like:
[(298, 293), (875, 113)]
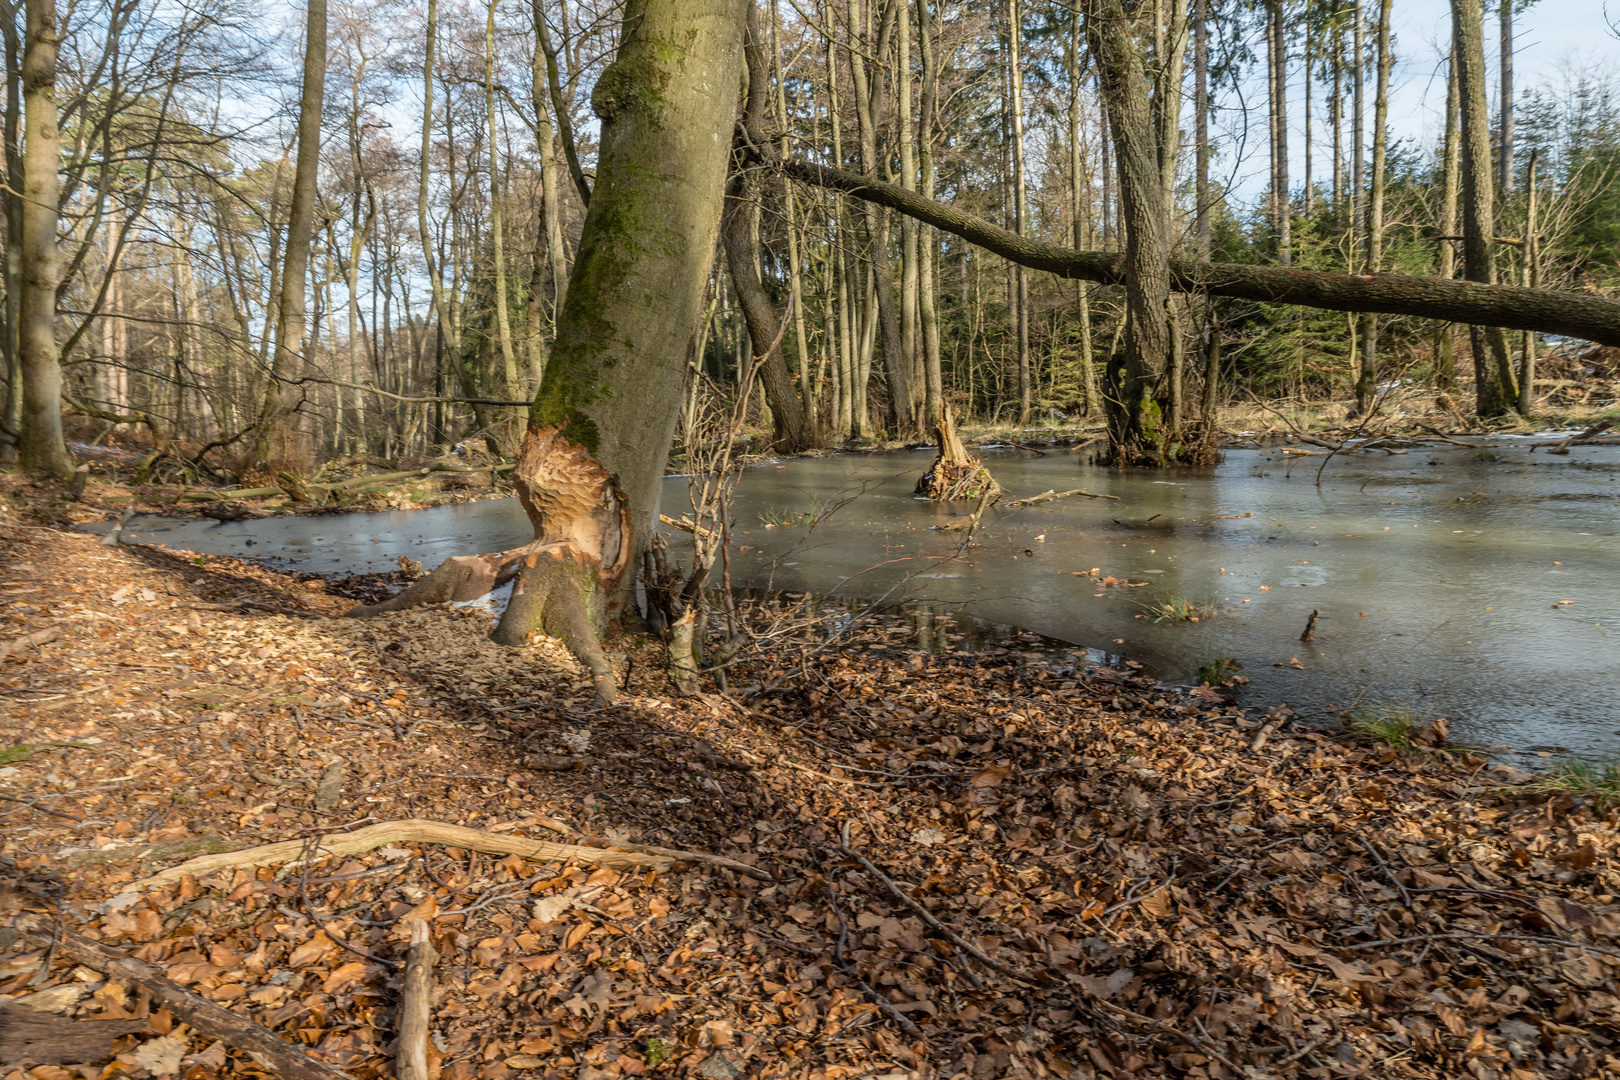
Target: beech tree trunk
[(1446, 255), (591, 464), (280, 400), (1367, 380), (40, 448), (1577, 315)]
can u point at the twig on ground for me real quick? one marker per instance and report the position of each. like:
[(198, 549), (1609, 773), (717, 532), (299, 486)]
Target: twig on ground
[(258, 1042)]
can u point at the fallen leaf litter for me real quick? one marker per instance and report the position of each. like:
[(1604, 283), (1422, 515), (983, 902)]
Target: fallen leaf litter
[(1116, 882)]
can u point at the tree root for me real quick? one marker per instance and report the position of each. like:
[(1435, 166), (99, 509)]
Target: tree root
[(412, 831)]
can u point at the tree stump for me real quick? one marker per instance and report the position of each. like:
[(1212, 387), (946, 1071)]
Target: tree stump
[(955, 475)]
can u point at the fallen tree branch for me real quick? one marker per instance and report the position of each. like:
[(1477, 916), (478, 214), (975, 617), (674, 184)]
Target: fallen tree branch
[(416, 1006), (1511, 307), (36, 639), (258, 1042), (408, 831), (693, 856), (1054, 496), (42, 1039)]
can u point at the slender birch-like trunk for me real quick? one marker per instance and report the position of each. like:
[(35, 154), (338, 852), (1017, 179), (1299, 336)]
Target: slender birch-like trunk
[(275, 418), (1495, 387), (1367, 380), (1020, 281), (40, 445)]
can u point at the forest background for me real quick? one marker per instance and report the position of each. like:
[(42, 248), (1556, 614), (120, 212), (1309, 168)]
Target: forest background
[(197, 305)]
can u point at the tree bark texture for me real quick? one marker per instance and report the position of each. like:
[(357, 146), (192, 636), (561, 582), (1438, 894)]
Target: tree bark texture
[(1367, 379), (281, 400), (591, 465), (1577, 315), (40, 448), (1137, 430), (742, 194), (1495, 387)]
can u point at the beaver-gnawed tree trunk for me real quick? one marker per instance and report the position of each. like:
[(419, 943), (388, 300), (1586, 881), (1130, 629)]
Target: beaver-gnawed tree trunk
[(592, 461), (955, 475)]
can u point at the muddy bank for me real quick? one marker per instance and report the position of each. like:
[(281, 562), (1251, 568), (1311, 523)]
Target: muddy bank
[(1115, 882)]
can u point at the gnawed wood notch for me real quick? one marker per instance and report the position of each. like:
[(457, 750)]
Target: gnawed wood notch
[(562, 579), (954, 474)]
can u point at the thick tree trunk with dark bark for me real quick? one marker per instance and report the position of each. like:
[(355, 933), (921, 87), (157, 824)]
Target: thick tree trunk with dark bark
[(1577, 315), (1138, 433), (591, 466)]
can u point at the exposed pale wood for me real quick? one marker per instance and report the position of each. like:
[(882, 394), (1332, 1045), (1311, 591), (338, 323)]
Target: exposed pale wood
[(1054, 496), (416, 1006), (408, 831), (257, 1041)]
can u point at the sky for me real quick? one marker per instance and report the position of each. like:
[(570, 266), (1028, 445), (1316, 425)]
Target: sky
[(1551, 39)]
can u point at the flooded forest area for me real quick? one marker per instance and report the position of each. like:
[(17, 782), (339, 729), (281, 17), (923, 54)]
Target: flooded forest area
[(809, 540)]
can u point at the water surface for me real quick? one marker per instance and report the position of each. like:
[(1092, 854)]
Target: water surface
[(1478, 586)]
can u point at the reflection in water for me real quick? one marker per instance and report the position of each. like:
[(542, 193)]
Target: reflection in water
[(1483, 590)]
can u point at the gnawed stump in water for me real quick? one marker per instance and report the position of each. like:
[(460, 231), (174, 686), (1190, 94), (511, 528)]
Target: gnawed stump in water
[(563, 579), (955, 475)]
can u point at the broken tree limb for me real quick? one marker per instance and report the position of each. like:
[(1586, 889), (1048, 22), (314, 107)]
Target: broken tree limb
[(1577, 315), (408, 831), (416, 1006), (692, 856), (1054, 496), (274, 1055), (1588, 435), (42, 1039), (35, 639)]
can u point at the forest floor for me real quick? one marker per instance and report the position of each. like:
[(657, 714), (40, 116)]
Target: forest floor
[(963, 864)]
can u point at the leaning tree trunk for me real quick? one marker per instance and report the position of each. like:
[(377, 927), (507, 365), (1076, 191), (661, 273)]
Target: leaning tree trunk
[(592, 462), (764, 331), (40, 448), (1569, 314)]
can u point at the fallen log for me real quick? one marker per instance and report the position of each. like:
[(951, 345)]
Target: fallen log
[(418, 831), (416, 1006), (1577, 315), (274, 1055), (42, 1039)]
